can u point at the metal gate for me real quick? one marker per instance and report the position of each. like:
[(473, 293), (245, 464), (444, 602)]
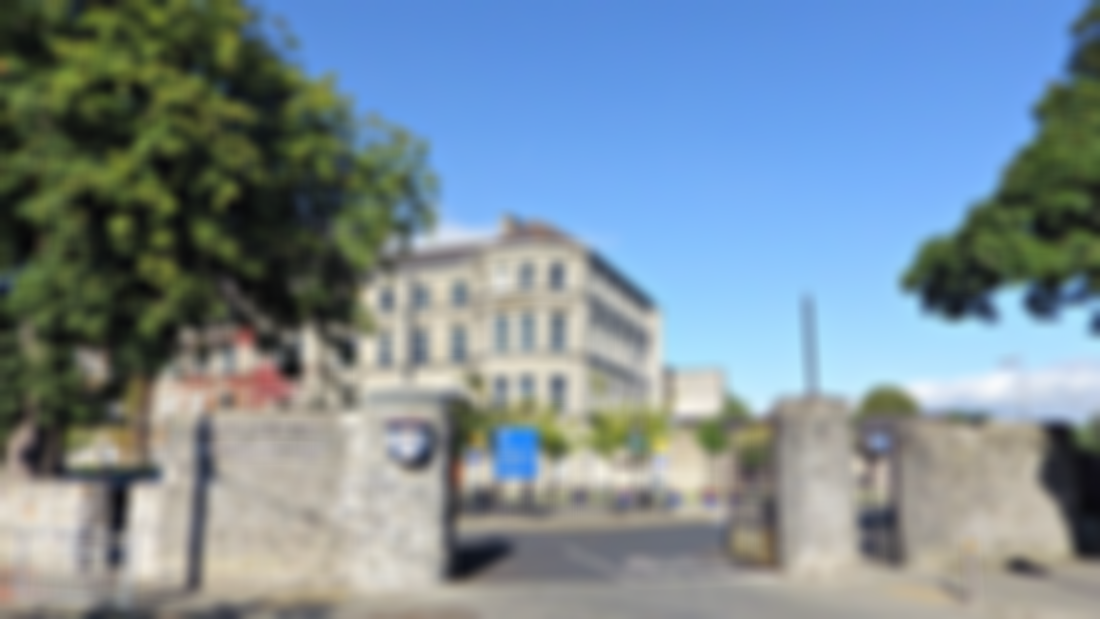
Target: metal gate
[(753, 532), (875, 473)]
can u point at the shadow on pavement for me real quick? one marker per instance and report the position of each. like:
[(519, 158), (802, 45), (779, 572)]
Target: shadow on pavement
[(1026, 567), (216, 611), (473, 556)]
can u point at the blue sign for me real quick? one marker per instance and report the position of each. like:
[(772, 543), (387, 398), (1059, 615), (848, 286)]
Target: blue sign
[(516, 451)]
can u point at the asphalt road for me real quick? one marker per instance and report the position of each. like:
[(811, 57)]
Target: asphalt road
[(653, 572), (659, 553)]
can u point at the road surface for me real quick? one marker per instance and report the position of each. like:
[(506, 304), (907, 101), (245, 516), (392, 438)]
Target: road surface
[(689, 552)]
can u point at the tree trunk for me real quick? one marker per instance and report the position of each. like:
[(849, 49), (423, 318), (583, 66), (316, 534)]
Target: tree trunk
[(138, 416), (34, 450), (19, 450), (713, 485), (50, 461)]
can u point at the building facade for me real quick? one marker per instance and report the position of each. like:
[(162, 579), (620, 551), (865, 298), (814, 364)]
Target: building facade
[(695, 394), (529, 315)]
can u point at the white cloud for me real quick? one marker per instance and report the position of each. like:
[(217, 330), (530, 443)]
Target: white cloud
[(450, 233), (1067, 391)]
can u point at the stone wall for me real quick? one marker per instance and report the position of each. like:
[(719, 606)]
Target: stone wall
[(52, 529), (996, 491), (817, 520), (294, 501)]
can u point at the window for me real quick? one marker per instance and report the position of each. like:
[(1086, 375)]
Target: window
[(500, 277), (527, 276), (420, 351), (559, 393), (500, 392), (458, 344), (421, 297), (558, 340), (385, 350), (459, 294), (557, 276), (527, 328), (347, 349), (502, 334), (385, 300), (527, 388), (290, 359)]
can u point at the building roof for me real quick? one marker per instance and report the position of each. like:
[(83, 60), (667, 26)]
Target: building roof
[(516, 231), (441, 255), (637, 294)]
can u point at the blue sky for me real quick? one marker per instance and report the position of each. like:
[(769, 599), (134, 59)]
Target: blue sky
[(731, 156)]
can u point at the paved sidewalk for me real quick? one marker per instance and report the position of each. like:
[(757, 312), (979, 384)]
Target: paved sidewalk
[(1063, 592), (862, 596), (1067, 591)]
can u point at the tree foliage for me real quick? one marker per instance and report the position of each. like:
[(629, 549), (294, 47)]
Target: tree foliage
[(1088, 434), (608, 433), (735, 410), (637, 431), (713, 437), (887, 401), (1040, 228), (166, 166), (752, 445)]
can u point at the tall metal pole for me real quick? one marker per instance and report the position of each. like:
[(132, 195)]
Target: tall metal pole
[(809, 346), (407, 293)]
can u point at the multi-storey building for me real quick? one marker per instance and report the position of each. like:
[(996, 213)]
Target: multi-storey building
[(695, 394), (531, 315)]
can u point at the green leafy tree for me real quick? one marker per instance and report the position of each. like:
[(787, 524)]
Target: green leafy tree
[(1040, 228), (887, 401), (713, 437), (734, 410), (752, 445), (654, 427), (166, 167), (474, 420), (1088, 434), (608, 434), (555, 441), (607, 437)]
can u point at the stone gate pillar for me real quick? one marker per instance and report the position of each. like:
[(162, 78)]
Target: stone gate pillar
[(817, 515), (398, 492)]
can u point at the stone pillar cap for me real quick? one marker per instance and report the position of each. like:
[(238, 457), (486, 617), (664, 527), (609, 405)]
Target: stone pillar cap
[(810, 405), (411, 396)]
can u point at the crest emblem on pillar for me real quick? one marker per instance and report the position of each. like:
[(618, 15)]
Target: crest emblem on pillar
[(410, 443)]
